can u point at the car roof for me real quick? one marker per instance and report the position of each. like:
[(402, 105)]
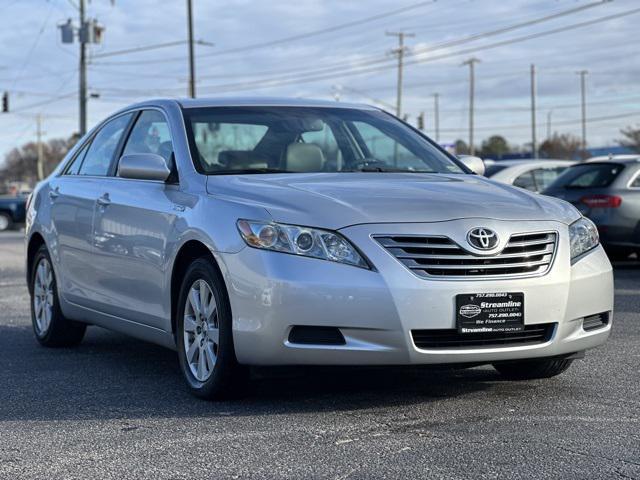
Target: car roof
[(253, 101), (532, 162), (617, 161), (627, 158)]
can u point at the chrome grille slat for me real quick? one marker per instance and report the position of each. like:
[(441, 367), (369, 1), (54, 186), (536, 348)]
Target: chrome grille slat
[(548, 249), (488, 266), (525, 254)]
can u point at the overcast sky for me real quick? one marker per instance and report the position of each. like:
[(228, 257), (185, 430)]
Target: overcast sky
[(324, 48)]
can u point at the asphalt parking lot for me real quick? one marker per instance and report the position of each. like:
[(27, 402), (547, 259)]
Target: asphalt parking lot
[(116, 408)]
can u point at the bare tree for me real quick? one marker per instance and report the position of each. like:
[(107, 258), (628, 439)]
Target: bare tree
[(494, 147), (21, 163), (632, 138), (461, 147), (561, 146)]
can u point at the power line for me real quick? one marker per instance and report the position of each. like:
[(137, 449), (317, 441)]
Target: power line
[(27, 57), (561, 123), (376, 59), (342, 72), (321, 31), (147, 48)]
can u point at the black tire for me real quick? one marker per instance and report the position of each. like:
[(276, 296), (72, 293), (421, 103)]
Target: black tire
[(60, 332), (227, 378), (532, 369), (6, 222)]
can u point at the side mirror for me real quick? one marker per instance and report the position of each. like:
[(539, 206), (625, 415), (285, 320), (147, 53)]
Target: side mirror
[(475, 164), (143, 166)]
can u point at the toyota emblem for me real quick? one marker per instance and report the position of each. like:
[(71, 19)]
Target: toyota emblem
[(482, 238)]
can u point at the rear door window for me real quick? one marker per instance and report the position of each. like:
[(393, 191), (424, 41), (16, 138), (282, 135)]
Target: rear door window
[(103, 147), (546, 176), (527, 181), (74, 167)]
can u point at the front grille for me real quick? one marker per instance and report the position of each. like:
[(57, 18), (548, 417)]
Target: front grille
[(450, 338), (526, 254), (593, 322)]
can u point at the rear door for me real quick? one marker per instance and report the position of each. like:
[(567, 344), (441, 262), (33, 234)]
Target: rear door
[(132, 228), (73, 198)]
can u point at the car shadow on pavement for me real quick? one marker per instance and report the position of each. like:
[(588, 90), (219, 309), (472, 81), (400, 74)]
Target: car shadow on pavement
[(114, 376)]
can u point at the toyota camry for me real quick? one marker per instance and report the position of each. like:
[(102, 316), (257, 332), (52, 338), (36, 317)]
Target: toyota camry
[(244, 232)]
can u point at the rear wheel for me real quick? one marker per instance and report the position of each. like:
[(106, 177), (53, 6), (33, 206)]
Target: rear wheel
[(5, 222), (204, 334), (51, 328), (532, 369)]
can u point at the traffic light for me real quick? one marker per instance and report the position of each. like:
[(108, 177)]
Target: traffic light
[(421, 121), (5, 102)]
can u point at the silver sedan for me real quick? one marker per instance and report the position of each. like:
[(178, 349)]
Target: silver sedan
[(280, 232)]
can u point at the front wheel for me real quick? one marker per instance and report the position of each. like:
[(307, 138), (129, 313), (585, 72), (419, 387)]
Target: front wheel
[(204, 334), (532, 369), (51, 328)]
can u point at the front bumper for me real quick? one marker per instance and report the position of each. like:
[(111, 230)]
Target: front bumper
[(376, 311)]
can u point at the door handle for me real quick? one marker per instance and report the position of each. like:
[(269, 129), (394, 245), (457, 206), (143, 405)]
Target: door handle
[(104, 200), (55, 193)]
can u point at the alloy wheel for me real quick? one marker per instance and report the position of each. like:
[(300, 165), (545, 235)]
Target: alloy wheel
[(43, 296), (201, 330)]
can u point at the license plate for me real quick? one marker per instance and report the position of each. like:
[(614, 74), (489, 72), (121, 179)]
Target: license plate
[(490, 312)]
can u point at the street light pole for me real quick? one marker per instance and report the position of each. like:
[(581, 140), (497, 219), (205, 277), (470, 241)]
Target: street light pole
[(40, 160), (534, 141), (471, 62), (583, 95), (82, 37), (436, 115), (400, 52), (192, 66)]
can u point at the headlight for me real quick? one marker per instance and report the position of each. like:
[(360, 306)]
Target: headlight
[(583, 236), (305, 241)]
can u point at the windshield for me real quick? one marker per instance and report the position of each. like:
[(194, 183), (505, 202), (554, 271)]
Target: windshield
[(588, 175), (227, 140)]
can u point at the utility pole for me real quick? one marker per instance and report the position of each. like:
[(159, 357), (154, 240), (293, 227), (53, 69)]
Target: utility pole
[(583, 93), (400, 51), (82, 37), (89, 31), (534, 140), (39, 133), (192, 65), (471, 62), (549, 113), (436, 115)]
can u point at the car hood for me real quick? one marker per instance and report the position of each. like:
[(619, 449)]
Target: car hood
[(337, 200)]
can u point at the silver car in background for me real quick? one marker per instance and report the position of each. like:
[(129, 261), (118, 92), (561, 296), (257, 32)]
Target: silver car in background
[(294, 232), (533, 175)]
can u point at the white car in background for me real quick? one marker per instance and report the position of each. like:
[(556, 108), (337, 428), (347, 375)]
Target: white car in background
[(533, 175)]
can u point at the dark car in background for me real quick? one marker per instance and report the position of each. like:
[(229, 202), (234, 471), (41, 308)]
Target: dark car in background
[(608, 192), (12, 211)]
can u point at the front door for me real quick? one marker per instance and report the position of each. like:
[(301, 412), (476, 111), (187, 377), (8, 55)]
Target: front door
[(132, 227)]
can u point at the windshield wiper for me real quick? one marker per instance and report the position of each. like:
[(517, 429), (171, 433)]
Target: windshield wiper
[(243, 171), (373, 165)]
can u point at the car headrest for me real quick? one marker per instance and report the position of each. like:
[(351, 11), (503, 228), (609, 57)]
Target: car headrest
[(239, 159), (304, 157)]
